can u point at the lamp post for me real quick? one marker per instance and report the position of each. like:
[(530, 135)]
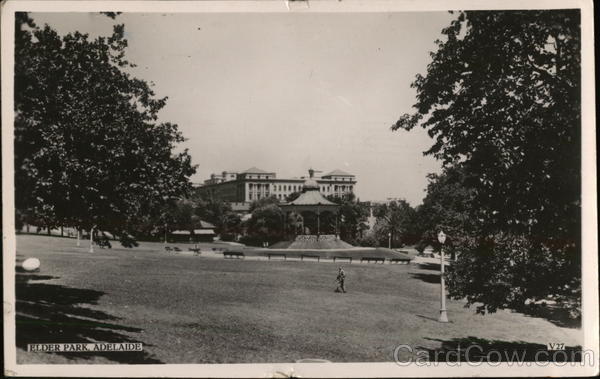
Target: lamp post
[(92, 239), (443, 315), (390, 240)]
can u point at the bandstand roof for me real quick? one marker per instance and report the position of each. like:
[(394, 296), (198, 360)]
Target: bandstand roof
[(311, 198)]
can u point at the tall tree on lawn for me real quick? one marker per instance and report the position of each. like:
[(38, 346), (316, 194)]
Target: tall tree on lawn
[(89, 149), (502, 100)]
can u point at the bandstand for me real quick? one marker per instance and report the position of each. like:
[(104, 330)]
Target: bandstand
[(318, 214)]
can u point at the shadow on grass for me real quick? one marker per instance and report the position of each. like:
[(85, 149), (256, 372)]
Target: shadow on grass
[(50, 313), (432, 318), (473, 349), (428, 278), (551, 312), (555, 314), (430, 266)]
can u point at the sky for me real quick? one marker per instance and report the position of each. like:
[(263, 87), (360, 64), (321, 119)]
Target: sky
[(286, 92)]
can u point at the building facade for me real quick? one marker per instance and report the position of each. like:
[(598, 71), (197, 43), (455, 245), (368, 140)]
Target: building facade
[(254, 184)]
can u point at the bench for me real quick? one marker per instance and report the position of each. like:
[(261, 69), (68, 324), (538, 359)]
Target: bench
[(347, 259), (310, 257), (401, 261), (233, 255), (176, 248), (372, 259), (194, 249), (168, 248), (273, 255)]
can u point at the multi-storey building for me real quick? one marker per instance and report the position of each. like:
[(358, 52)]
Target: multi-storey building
[(254, 184)]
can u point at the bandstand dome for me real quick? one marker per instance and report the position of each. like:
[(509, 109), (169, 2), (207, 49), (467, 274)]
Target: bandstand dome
[(310, 184)]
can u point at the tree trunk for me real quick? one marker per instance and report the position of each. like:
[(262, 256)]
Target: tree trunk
[(78, 237)]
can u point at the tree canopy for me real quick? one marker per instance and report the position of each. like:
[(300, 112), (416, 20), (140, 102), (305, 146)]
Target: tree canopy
[(267, 221), (501, 98), (395, 218), (352, 215), (89, 149), (448, 207)]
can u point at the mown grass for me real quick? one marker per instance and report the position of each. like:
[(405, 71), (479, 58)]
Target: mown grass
[(190, 309)]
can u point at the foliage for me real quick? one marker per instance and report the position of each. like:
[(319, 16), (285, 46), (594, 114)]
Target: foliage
[(184, 215), (352, 217), (230, 227), (370, 240), (446, 207), (89, 150), (501, 98), (397, 218), (263, 202), (218, 213), (267, 221)]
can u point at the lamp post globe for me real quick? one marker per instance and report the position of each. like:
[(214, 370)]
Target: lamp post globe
[(443, 314)]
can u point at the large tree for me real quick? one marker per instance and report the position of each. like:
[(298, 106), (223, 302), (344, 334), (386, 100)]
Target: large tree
[(501, 98), (89, 149)]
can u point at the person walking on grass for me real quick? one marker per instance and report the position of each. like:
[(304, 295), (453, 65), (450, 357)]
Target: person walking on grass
[(340, 280)]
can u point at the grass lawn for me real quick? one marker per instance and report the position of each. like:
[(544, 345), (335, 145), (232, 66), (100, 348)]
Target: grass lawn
[(192, 309)]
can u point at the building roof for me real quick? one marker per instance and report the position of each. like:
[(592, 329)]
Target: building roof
[(338, 172), (181, 232), (196, 231), (255, 170), (240, 207), (203, 232), (206, 225)]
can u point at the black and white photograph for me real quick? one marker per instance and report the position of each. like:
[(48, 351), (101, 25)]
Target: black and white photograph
[(288, 188)]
